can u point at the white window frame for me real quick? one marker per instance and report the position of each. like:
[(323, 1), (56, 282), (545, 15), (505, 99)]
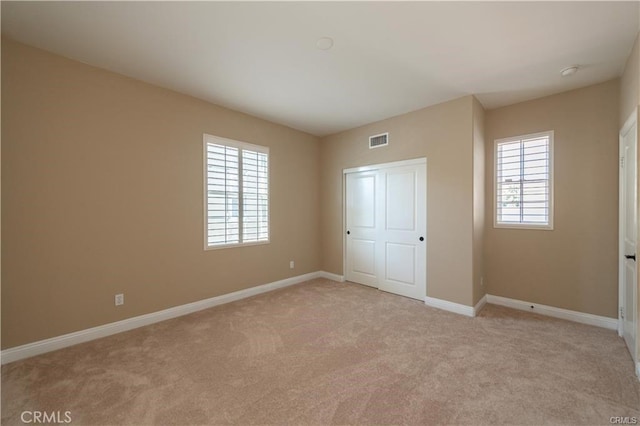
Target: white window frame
[(207, 139), (524, 225)]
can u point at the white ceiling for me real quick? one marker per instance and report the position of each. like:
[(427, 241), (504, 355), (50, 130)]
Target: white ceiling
[(388, 58)]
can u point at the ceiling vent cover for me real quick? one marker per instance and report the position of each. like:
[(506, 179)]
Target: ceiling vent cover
[(376, 141)]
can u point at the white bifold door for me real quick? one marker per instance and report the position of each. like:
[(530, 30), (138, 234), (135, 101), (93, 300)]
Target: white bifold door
[(386, 224)]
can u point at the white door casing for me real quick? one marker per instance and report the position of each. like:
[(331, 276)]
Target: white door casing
[(385, 235), (628, 224)]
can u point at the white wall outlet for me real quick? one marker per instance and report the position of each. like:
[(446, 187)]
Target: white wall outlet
[(481, 281), (119, 299), (292, 264)]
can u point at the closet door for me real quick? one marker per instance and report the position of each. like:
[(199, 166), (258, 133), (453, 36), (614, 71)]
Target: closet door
[(402, 239), (363, 226), (386, 228)]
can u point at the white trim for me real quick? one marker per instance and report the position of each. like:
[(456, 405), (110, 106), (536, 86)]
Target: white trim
[(59, 342), (456, 308), (479, 305), (566, 314), (332, 277), (343, 228), (526, 225), (422, 160), (211, 139), (628, 125), (638, 370), (445, 305), (234, 143), (621, 214), (630, 121)]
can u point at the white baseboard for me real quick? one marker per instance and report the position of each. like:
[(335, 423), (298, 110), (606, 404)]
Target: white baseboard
[(479, 305), (456, 308), (581, 317), (330, 276), (59, 342)]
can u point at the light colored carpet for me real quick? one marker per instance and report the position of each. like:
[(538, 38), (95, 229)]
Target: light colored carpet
[(330, 353)]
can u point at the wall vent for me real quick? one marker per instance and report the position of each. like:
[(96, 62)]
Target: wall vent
[(376, 141)]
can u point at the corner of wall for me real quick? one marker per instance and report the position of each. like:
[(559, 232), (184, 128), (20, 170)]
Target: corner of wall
[(629, 83), (324, 197), (586, 145), (143, 216), (479, 289), (442, 133)]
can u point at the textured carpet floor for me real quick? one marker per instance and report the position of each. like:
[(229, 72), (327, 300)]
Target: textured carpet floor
[(329, 353)]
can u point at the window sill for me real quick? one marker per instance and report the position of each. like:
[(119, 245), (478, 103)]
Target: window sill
[(526, 226), (226, 246)]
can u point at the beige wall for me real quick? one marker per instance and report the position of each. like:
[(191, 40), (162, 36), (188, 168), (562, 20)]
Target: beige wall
[(575, 265), (478, 200), (103, 193), (443, 134), (630, 84)]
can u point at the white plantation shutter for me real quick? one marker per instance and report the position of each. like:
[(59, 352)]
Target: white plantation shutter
[(255, 196), (524, 185), (237, 193), (222, 194)]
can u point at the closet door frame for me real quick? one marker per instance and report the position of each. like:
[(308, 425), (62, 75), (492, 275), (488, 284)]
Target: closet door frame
[(375, 167)]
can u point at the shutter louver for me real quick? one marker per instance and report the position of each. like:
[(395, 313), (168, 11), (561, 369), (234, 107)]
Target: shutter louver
[(222, 195), (237, 193), (523, 181), (255, 196)]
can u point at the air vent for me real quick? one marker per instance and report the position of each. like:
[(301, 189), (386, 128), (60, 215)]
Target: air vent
[(376, 141)]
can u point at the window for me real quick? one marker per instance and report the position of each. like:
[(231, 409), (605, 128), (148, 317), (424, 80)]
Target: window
[(524, 182), (236, 193)]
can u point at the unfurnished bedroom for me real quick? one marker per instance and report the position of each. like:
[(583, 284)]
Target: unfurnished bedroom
[(319, 213)]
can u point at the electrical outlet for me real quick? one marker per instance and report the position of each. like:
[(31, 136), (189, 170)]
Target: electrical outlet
[(481, 281), (119, 299), (292, 264)]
